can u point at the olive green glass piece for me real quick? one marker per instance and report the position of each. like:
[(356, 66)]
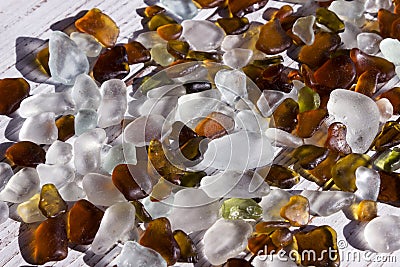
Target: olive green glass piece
[(329, 19), (159, 20), (240, 208), (309, 156), (389, 160), (308, 99), (51, 203)]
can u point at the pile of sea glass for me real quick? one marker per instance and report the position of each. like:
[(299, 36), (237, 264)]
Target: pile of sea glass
[(192, 147)]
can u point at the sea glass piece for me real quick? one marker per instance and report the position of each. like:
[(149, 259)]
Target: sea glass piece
[(272, 204), (197, 87), (131, 188), (303, 28), (12, 92), (389, 160), (366, 210), (122, 153), (83, 222), (58, 174), (215, 125), (388, 137), (29, 210), (146, 128), (209, 3), (170, 31), (94, 183), (389, 47), (296, 211), (367, 83), (309, 122), (39, 129), (6, 173), (225, 239), (329, 19), (250, 121), (393, 95), (192, 32), (42, 58), (112, 64), (380, 235), (51, 204), (368, 42), (240, 208), (386, 20), (281, 176), (373, 6), (133, 254), (72, 192), (273, 39), (85, 120), (237, 58), (87, 43), (25, 154), (388, 191), (342, 73), (159, 237), (239, 8), (114, 103), (183, 9), (336, 139), (160, 55), (234, 25), (178, 49), (151, 11), (159, 20), (149, 39), (385, 108), (231, 84), (322, 172), (325, 203), (101, 26), (285, 115), (116, 222), (136, 52), (66, 127), (188, 251), (309, 156), (85, 93), (308, 99)]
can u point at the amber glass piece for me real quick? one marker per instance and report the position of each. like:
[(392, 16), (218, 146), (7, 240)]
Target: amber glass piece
[(365, 211), (322, 172), (159, 20), (101, 26), (337, 72), (151, 11), (42, 58), (282, 237), (273, 39), (388, 137), (51, 203), (12, 92), (367, 82), (196, 87), (365, 62), (309, 156), (170, 31), (285, 115), (141, 213), (336, 139), (283, 12), (385, 20), (319, 240), (50, 241), (112, 64), (159, 236), (234, 25), (343, 172), (188, 251), (178, 49), (297, 211), (215, 125), (182, 132), (395, 31), (316, 54), (389, 191), (83, 222), (233, 262), (126, 184), (282, 177), (257, 244), (393, 95), (25, 154), (66, 127), (329, 19), (137, 53), (190, 149), (309, 122), (240, 7), (210, 3), (200, 56)]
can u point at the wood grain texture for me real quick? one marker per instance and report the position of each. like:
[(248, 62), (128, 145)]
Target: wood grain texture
[(25, 27)]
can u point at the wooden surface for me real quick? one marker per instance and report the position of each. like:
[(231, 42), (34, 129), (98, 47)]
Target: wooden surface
[(25, 26)]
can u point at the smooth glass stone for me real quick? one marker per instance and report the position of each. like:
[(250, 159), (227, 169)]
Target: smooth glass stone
[(193, 210), (112, 64), (230, 184), (159, 237), (368, 42), (133, 254), (389, 160), (66, 127), (239, 8), (342, 73), (309, 156), (359, 113), (42, 59), (136, 52), (209, 3), (51, 203), (296, 211), (329, 19), (373, 6), (234, 25), (87, 149), (380, 235), (349, 36), (58, 103), (6, 173), (160, 55), (279, 176), (188, 251), (151, 11), (40, 129), (309, 122), (114, 103), (325, 203), (182, 8), (389, 48), (368, 183), (192, 33), (87, 43), (365, 211), (159, 20), (246, 40), (84, 221), (344, 171), (146, 128), (239, 208), (386, 19), (225, 239), (170, 31), (347, 11), (269, 101), (85, 120), (58, 175), (21, 186), (273, 39), (285, 115), (251, 121), (101, 26), (388, 191), (72, 192), (303, 28), (237, 58), (178, 49), (336, 140), (116, 222), (393, 95), (25, 154), (215, 125), (321, 174), (308, 99), (94, 183), (66, 60), (12, 92), (385, 109), (29, 210), (272, 204), (118, 154), (367, 83), (150, 39), (159, 208), (204, 56), (85, 93)]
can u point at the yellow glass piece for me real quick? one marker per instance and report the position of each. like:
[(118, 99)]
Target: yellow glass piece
[(51, 203), (297, 211)]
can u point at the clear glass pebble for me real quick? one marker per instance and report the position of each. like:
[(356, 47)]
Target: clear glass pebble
[(231, 84), (385, 109), (380, 233), (21, 186), (85, 120), (72, 192), (237, 58), (193, 33), (39, 129), (373, 6), (113, 104), (118, 154), (160, 55), (182, 8), (281, 138), (4, 212), (163, 106), (133, 254), (303, 28), (86, 93), (272, 204), (59, 175), (100, 190), (6, 173), (59, 153), (368, 42), (250, 120), (87, 43), (390, 50), (325, 203), (368, 183), (150, 39)]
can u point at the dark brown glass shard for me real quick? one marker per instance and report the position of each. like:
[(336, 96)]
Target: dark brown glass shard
[(188, 251), (12, 92), (309, 156), (308, 122), (234, 25), (321, 174), (240, 7), (285, 115), (112, 64), (137, 53), (127, 185), (25, 154), (237, 263), (273, 39), (196, 87), (389, 191), (282, 177), (66, 127)]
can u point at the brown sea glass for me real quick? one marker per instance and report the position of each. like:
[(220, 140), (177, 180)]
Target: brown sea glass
[(210, 3), (321, 174), (366, 210), (188, 251), (151, 11), (202, 56), (389, 191), (309, 156), (66, 127), (25, 154), (393, 95), (83, 222), (51, 203), (385, 20), (12, 92), (142, 214), (215, 125), (42, 58), (137, 53), (282, 177), (273, 39), (158, 21), (336, 139), (285, 115), (112, 64), (367, 82), (127, 185), (388, 137), (182, 133), (158, 236), (261, 244), (101, 26), (234, 25), (240, 7), (296, 211), (308, 122), (178, 49), (233, 262), (170, 31), (282, 237)]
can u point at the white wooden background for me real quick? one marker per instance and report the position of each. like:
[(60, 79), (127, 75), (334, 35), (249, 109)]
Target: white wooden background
[(24, 27)]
